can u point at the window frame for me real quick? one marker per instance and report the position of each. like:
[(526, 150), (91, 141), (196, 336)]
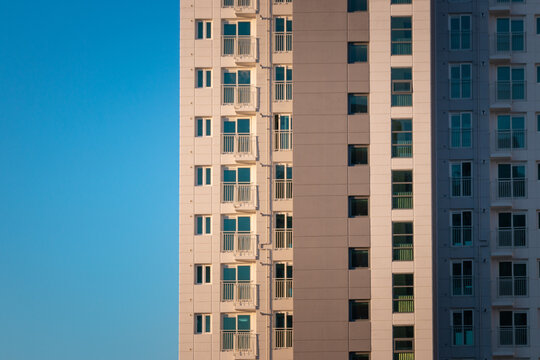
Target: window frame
[(203, 78), (352, 265), (462, 179), (461, 263), (361, 45), (460, 31), (203, 127), (461, 213), (205, 224), (401, 97), (460, 130), (203, 175), (404, 41), (359, 96), (408, 204), (353, 198), (461, 79), (396, 300), (206, 26), (205, 274), (351, 148), (358, 5), (206, 323), (397, 147), (362, 302), (463, 325), (397, 249)]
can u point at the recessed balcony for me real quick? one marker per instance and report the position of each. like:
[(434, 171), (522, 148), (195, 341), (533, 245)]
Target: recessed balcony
[(243, 48), (242, 97), (243, 344), (243, 294), (243, 245), (242, 195), (242, 8), (243, 147)]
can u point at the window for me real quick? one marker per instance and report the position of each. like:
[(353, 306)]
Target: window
[(283, 182), (461, 184), (461, 228), (283, 238), (462, 327), (460, 81), (537, 171), (402, 138), (403, 293), (402, 241), (511, 132), (236, 284), (236, 332), (236, 136), (403, 339), (358, 155), (203, 224), (283, 327), (203, 78), (402, 86), (358, 206), (358, 258), (513, 328), (537, 122), (203, 175), (237, 185), (401, 2), (203, 127), (510, 83), (358, 356), (203, 274), (358, 310), (512, 230), (237, 88), (460, 130), (356, 5), (358, 104), (236, 39), (236, 234), (282, 132), (283, 83), (538, 74), (512, 181), (203, 323), (512, 279), (402, 189), (510, 35), (357, 52), (460, 32), (462, 282), (283, 281), (401, 35), (538, 25), (282, 34), (203, 29)]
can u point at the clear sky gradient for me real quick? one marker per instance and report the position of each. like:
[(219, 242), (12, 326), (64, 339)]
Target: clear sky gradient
[(88, 179)]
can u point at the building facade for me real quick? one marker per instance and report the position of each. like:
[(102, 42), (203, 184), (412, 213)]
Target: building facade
[(411, 171)]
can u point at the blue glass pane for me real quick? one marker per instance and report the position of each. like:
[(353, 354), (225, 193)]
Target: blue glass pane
[(208, 127), (229, 224), (229, 323), (279, 24), (229, 175), (244, 322), (279, 73), (229, 127), (208, 225), (229, 78), (199, 176), (244, 273), (229, 274), (243, 126), (244, 77), (244, 223), (199, 127), (244, 28), (280, 172), (199, 225), (208, 174), (229, 29), (244, 175), (208, 30), (200, 27), (200, 78)]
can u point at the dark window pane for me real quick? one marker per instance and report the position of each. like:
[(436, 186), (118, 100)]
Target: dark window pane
[(357, 5), (358, 356), (358, 104), (358, 206), (358, 258), (358, 155), (358, 52), (358, 310)]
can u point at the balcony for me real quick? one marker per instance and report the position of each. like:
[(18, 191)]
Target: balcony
[(461, 236), (403, 355), (241, 146), (243, 8), (241, 244), (283, 338), (512, 237), (283, 238), (242, 48), (282, 189), (461, 186), (243, 344), (462, 285), (405, 304), (283, 91), (242, 196), (513, 336), (278, 2), (462, 335), (283, 288), (503, 6), (283, 140), (241, 293), (282, 42), (512, 188), (504, 44), (403, 252), (242, 97), (507, 141), (507, 92), (513, 285)]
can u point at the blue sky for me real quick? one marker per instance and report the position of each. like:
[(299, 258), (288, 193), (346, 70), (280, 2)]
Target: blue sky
[(88, 179)]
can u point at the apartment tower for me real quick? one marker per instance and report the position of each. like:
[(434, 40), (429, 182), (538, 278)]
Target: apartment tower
[(378, 204)]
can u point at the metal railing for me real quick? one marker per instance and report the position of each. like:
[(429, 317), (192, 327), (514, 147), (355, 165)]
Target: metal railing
[(511, 139), (283, 41), (283, 338), (239, 95), (283, 140), (512, 188), (283, 1), (283, 288), (462, 335), (238, 292), (462, 285), (508, 42), (403, 355), (506, 2), (513, 336), (282, 189), (240, 342), (239, 4), (461, 186), (240, 46), (405, 304), (512, 237), (283, 90), (510, 90), (240, 144), (239, 243), (402, 200), (513, 285), (238, 193), (403, 252), (283, 238), (461, 235)]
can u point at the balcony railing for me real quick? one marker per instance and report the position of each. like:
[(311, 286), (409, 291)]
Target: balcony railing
[(511, 90), (461, 235), (282, 42), (462, 285), (506, 2), (513, 285), (283, 1), (238, 243), (239, 95), (240, 5), (239, 46), (512, 188), (402, 200), (461, 186), (513, 336), (511, 139), (283, 140), (283, 90), (238, 292), (403, 355), (238, 194), (239, 342), (403, 252), (405, 304), (282, 189), (506, 42), (512, 237), (283, 338), (462, 335), (237, 144), (283, 238), (283, 288)]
